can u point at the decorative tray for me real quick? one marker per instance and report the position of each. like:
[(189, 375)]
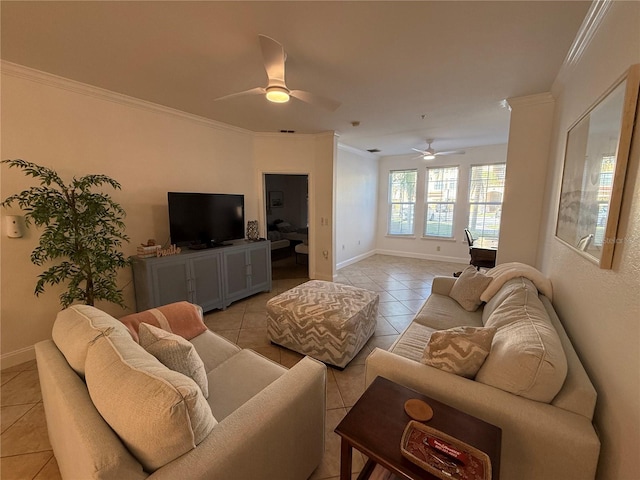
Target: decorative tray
[(443, 455)]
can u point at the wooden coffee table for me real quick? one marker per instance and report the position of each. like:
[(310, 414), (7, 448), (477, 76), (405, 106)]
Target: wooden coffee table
[(375, 424)]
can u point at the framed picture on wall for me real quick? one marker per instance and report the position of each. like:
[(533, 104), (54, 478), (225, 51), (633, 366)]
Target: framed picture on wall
[(595, 164), (276, 199)]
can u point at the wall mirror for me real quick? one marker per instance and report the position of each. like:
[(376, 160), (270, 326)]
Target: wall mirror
[(595, 164)]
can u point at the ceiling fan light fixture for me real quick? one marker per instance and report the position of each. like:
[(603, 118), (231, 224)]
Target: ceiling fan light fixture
[(429, 156), (277, 94)]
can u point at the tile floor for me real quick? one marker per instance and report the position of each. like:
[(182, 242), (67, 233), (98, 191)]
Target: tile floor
[(402, 283)]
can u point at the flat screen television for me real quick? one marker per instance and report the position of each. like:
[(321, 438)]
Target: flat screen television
[(205, 220)]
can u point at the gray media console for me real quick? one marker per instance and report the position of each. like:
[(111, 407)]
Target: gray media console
[(212, 278)]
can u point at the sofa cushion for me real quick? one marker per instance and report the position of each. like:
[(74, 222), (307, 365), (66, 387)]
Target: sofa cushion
[(501, 295), (526, 357), (77, 326), (468, 288), (158, 414), (181, 318), (411, 342), (239, 379), (441, 312), (512, 299), (460, 350), (175, 353)]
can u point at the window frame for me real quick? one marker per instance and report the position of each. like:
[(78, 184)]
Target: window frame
[(453, 203), (412, 204), (493, 240)]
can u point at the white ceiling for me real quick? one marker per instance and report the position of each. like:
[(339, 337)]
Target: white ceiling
[(407, 71)]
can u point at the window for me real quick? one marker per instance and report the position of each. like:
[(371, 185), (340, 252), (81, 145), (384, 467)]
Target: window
[(486, 190), (402, 201), (605, 185), (442, 187)]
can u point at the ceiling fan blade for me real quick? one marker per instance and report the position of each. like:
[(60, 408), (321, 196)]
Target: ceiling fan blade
[(253, 91), (451, 152), (423, 152), (314, 99), (274, 57)]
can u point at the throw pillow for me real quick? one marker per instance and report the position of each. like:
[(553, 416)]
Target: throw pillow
[(181, 318), (468, 288), (175, 353), (460, 350)]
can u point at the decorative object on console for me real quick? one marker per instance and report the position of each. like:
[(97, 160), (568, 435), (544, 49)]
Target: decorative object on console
[(595, 164), (150, 249), (167, 252), (252, 230), (82, 228)]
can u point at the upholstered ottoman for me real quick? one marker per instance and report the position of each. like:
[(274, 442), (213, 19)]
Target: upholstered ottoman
[(327, 321)]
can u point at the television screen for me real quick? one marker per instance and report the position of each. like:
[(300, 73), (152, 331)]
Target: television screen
[(203, 220)]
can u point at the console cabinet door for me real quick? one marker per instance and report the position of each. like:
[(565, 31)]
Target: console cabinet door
[(260, 268), (236, 275), (206, 282), (171, 282)]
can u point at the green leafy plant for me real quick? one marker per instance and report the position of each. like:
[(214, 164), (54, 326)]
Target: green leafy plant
[(83, 228)]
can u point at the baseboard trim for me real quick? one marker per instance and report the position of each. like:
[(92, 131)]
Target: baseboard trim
[(355, 259), (422, 256), (17, 357)]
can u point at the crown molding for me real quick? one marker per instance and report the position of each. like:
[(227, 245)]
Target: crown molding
[(596, 14), (357, 151), (530, 100), (55, 81)]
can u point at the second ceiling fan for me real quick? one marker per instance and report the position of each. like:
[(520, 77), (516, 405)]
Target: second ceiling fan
[(276, 90), (430, 153)]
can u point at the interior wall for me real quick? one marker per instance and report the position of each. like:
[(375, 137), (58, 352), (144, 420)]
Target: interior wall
[(77, 129), (357, 204), (312, 155), (527, 160), (601, 308), (454, 250)]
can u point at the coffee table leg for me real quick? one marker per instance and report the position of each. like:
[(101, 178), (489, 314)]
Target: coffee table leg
[(345, 460)]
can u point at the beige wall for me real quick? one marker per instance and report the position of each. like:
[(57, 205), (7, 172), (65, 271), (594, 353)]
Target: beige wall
[(312, 155), (77, 129), (527, 154), (357, 205), (601, 308)]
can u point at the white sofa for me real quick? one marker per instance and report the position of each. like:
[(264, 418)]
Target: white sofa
[(546, 418), (260, 420)]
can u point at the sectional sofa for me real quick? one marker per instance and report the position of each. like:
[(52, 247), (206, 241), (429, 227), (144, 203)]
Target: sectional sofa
[(115, 411), (531, 384)]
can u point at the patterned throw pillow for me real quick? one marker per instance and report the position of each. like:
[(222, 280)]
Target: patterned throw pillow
[(468, 288), (175, 353), (460, 350)]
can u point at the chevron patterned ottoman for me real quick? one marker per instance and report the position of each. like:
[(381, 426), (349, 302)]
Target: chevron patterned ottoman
[(328, 321)]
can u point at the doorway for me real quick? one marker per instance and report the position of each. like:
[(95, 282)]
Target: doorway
[(287, 216)]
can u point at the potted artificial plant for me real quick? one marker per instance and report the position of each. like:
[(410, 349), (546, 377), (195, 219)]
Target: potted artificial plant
[(83, 232)]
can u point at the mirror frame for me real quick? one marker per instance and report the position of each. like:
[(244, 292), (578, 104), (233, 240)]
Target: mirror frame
[(625, 133)]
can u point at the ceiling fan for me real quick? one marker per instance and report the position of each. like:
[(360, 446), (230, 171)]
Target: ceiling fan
[(276, 90), (430, 153)]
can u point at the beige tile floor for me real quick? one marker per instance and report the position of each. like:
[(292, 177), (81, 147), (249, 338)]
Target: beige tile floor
[(402, 283)]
